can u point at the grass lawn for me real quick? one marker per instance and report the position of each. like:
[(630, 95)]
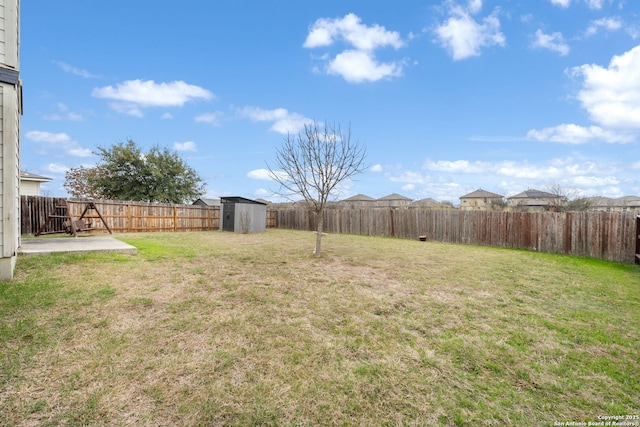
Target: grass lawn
[(217, 328)]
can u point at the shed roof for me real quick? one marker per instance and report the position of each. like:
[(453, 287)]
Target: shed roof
[(481, 193), (238, 199)]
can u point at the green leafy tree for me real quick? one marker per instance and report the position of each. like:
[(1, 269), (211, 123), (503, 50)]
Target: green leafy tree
[(124, 172)]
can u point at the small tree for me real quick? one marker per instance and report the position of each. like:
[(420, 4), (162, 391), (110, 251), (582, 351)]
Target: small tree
[(126, 173), (312, 163), (563, 195), (579, 204), (80, 182)]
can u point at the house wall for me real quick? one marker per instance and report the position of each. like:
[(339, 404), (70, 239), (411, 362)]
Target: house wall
[(476, 203), (9, 139), (532, 202), (29, 188)]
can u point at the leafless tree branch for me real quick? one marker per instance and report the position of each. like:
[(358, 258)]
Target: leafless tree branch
[(313, 163)]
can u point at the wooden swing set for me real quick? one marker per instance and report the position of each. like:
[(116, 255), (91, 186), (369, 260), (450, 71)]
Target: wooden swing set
[(71, 225)]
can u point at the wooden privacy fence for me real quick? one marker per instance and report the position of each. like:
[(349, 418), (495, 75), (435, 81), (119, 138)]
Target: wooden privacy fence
[(123, 216), (605, 235), (127, 216)]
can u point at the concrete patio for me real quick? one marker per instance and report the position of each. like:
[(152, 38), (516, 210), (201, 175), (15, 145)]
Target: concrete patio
[(40, 246)]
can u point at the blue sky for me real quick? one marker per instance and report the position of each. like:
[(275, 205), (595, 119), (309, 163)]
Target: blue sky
[(447, 96)]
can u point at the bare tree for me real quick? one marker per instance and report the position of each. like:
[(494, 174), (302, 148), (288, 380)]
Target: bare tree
[(312, 163), (562, 196)]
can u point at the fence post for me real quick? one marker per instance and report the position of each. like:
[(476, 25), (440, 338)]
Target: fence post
[(638, 239), (128, 217), (175, 218)]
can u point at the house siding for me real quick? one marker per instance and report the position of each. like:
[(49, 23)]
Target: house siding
[(10, 139), (9, 33), (29, 188)]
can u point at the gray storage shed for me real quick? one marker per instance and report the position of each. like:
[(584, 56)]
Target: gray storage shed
[(242, 215)]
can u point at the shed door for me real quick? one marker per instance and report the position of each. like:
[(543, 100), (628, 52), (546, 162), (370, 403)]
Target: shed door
[(229, 213)]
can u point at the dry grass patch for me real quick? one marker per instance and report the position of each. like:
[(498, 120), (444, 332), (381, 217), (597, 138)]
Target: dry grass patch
[(232, 329)]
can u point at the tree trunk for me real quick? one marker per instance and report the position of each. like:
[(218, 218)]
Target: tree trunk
[(316, 252)]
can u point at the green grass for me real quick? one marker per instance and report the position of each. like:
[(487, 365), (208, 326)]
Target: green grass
[(230, 329)]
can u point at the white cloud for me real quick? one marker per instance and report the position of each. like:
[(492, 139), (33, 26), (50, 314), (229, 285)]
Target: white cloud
[(474, 6), (376, 168), (166, 116), (260, 174), (267, 194), (448, 179), (552, 169), (132, 95), (594, 181), (554, 42), (611, 95), (324, 32), (126, 108), (78, 151), (633, 31), (56, 168), (64, 114), (608, 24), (185, 146), (410, 177), (575, 134), (594, 4), (464, 37), (457, 166), (73, 70), (284, 122), (211, 118), (53, 138), (358, 66), (265, 175), (359, 63), (59, 143)]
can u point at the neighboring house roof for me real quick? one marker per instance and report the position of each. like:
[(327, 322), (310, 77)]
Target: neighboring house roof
[(626, 201), (426, 202), (359, 198), (480, 193), (536, 194), (395, 196), (207, 202), (27, 176)]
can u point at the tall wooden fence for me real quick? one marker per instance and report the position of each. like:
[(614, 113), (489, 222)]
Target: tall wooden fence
[(121, 216), (125, 216), (605, 235)]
